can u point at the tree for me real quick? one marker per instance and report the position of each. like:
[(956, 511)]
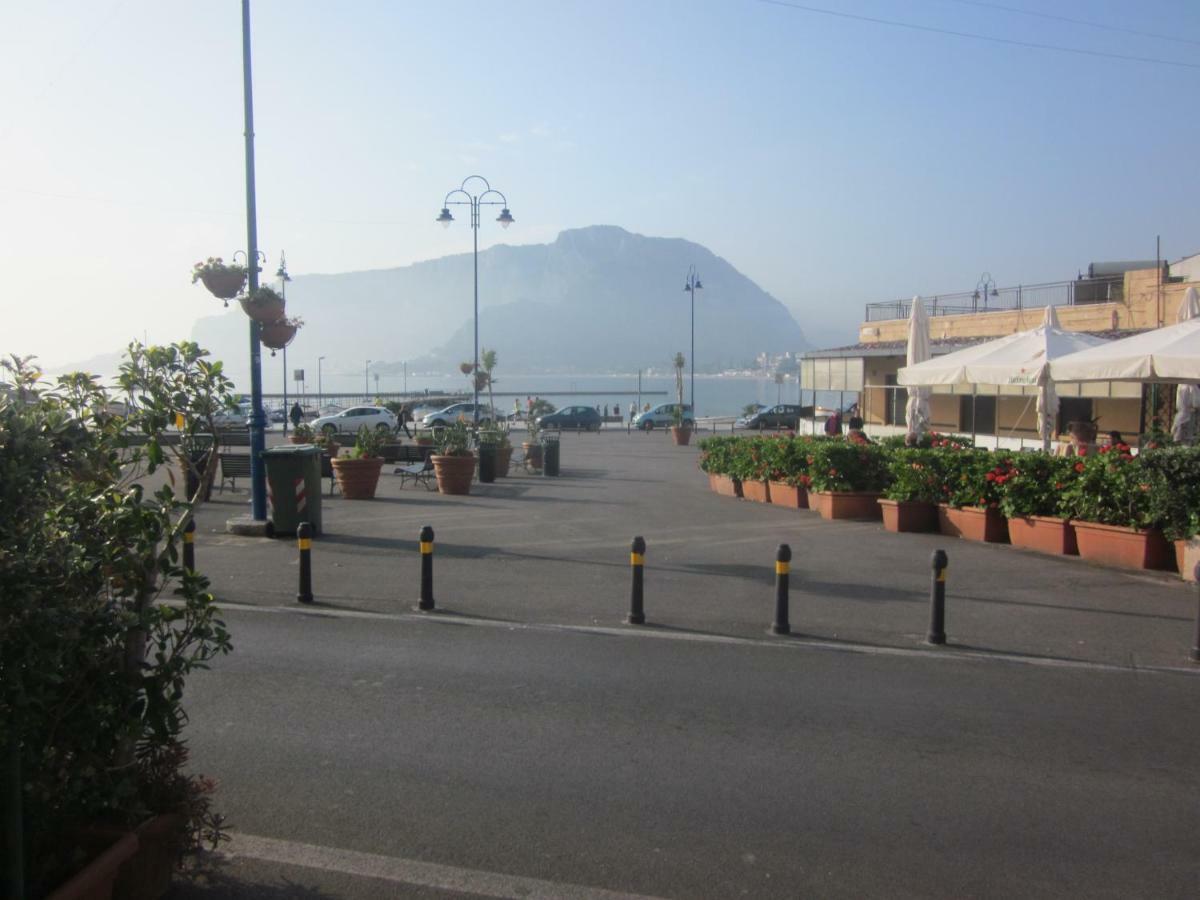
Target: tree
[(487, 361), (679, 362)]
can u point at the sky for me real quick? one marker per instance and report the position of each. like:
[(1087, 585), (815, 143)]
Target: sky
[(830, 156)]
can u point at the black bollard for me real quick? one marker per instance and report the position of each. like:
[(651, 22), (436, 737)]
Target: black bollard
[(637, 561), (426, 601), (189, 546), (304, 541), (783, 565), (937, 599), (1196, 637)]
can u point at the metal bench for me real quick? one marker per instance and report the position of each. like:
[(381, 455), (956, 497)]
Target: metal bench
[(233, 467), (419, 466)]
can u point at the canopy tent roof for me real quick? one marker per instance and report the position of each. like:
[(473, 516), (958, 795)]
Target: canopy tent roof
[(1021, 358), (1165, 354)]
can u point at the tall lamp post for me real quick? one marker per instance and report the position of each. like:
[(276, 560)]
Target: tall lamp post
[(284, 278), (691, 286), (320, 402), (367, 381), (505, 219), (981, 291)]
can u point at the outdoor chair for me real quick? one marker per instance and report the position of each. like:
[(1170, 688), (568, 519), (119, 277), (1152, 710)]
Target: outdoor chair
[(233, 467)]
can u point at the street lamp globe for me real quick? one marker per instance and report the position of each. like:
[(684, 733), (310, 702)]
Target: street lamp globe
[(505, 218), (445, 218)]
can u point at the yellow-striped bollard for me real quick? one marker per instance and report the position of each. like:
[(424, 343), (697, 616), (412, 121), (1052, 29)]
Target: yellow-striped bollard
[(304, 540), (426, 601), (937, 599), (637, 562), (783, 566), (189, 546)]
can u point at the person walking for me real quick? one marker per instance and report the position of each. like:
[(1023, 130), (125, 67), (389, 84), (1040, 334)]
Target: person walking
[(296, 415), (403, 418)]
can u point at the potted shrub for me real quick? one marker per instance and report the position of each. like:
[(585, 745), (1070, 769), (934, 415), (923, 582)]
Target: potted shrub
[(303, 434), (504, 452), (750, 467), (1031, 498), (263, 305), (1175, 501), (716, 460), (453, 462), (681, 432), (326, 440), (972, 485), (223, 281), (846, 479), (532, 446), (357, 473), (910, 501), (1111, 507)]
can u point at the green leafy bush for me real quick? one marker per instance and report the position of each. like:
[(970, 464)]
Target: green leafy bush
[(916, 474), (1036, 484), (1112, 487), (1174, 476), (842, 466), (717, 453)]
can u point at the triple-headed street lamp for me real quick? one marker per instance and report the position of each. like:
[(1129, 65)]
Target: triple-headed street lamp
[(691, 286), (505, 219), (985, 282)]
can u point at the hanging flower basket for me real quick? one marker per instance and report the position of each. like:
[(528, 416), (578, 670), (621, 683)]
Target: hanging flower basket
[(223, 282), (278, 335), (264, 305)]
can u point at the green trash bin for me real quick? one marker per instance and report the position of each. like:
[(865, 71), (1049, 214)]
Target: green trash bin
[(294, 487), (550, 446)]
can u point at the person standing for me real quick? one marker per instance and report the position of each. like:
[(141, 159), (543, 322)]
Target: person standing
[(297, 414)]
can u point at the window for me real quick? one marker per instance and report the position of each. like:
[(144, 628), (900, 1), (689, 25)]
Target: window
[(977, 414)]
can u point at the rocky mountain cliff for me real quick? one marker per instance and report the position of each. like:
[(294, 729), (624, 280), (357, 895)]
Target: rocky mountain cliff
[(597, 299)]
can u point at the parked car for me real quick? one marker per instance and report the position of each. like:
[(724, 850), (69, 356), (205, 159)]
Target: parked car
[(451, 414), (279, 414), (663, 416), (572, 417), (348, 421), (785, 415)]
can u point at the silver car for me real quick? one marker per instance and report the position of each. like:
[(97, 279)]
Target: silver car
[(663, 416), (348, 421)]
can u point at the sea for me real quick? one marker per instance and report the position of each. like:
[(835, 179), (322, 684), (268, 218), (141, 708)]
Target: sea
[(715, 395)]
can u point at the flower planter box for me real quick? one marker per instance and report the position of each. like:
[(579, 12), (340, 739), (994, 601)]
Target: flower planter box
[(95, 880), (790, 495), (725, 485), (1187, 555), (1045, 534), (973, 523), (681, 435), (357, 478), (758, 491), (454, 473), (908, 515), (1124, 548), (845, 504)]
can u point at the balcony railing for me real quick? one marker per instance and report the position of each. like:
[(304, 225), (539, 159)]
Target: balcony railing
[(1023, 296)]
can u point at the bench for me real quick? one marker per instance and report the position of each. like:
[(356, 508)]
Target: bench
[(419, 466), (233, 467)]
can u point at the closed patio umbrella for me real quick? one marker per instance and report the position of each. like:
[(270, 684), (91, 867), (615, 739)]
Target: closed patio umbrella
[(916, 412), (1187, 396)]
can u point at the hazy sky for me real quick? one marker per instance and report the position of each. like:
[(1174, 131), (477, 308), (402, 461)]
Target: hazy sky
[(831, 159)]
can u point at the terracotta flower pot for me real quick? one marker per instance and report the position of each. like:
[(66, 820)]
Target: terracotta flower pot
[(296, 439), (357, 478), (224, 284), (503, 460), (1045, 534), (758, 491), (681, 434), (264, 310), (533, 454), (845, 504), (908, 515), (792, 496), (973, 523), (1187, 555), (95, 880), (1125, 548), (725, 485), (454, 473), (147, 874)]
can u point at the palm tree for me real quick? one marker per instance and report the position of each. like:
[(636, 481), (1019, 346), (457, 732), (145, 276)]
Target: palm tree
[(679, 362), (487, 362)]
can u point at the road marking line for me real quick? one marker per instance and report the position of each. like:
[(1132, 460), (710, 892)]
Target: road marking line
[(995, 656), (414, 872)]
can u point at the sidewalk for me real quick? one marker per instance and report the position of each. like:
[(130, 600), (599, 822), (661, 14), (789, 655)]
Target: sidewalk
[(529, 549)]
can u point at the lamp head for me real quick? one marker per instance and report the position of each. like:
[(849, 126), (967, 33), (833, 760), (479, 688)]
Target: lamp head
[(505, 218), (445, 218), (698, 286)]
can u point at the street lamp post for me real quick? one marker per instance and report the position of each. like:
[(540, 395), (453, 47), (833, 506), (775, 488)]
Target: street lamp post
[(320, 402), (505, 219), (691, 286), (981, 291), (284, 278), (367, 381)]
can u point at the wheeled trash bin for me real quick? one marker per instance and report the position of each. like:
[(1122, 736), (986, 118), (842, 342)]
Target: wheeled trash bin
[(293, 487), (550, 444)]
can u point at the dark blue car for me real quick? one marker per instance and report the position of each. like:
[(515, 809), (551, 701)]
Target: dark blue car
[(582, 418)]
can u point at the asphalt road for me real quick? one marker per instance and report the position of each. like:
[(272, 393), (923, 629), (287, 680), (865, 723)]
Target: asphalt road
[(530, 761)]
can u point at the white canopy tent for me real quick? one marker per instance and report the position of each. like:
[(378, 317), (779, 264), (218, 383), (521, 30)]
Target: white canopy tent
[(1023, 358), (916, 412), (1166, 354)]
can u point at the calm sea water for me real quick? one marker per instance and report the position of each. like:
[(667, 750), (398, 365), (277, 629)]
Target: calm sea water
[(716, 395)]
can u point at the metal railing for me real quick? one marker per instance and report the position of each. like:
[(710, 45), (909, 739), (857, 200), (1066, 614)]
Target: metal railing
[(1023, 296)]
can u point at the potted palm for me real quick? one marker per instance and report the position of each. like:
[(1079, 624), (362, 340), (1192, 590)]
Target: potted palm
[(681, 431), (453, 462), (223, 281), (357, 473)]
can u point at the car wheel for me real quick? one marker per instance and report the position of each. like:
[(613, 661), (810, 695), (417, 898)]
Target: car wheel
[(383, 428), (438, 423)]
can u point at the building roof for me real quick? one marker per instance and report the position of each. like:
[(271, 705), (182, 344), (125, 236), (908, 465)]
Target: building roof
[(937, 346)]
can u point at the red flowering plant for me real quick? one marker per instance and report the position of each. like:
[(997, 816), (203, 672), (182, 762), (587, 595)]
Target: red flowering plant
[(841, 466), (717, 453), (1035, 485), (916, 475), (977, 477), (1111, 487), (787, 459), (749, 459)]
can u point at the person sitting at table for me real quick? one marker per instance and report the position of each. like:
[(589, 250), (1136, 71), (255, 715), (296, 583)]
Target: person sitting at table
[(856, 435)]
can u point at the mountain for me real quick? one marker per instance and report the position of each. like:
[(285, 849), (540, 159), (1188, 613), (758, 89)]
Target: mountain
[(597, 299)]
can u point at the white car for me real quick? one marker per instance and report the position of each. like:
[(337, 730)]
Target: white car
[(451, 414), (348, 421)]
